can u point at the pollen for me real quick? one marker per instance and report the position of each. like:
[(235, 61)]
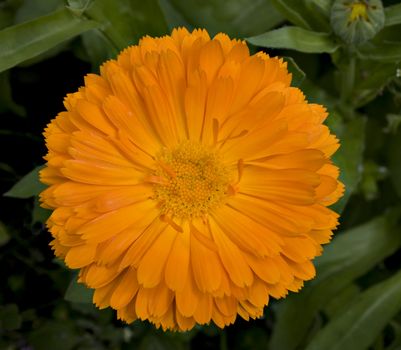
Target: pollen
[(358, 11), (191, 181)]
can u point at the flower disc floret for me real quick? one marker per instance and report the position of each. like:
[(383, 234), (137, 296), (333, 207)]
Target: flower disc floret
[(190, 181)]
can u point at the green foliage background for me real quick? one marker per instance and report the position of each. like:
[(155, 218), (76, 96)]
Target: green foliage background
[(47, 46)]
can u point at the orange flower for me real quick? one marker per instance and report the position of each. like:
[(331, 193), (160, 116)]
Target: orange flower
[(190, 182)]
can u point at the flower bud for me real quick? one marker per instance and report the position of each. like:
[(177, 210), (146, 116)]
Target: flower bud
[(357, 21)]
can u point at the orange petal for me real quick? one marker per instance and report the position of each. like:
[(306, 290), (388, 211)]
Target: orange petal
[(177, 264), (232, 258), (125, 290), (152, 265)]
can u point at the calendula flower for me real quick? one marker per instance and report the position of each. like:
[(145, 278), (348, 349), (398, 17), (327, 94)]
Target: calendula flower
[(190, 182)]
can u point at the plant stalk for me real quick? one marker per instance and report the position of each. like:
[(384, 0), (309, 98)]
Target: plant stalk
[(348, 82)]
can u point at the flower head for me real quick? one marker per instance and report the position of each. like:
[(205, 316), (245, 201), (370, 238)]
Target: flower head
[(190, 181)]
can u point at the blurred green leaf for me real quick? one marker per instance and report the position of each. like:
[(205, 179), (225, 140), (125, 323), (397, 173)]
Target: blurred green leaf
[(361, 323), (394, 161), (78, 293), (316, 94), (28, 186), (298, 75), (396, 341), (173, 16), (348, 257), (342, 300), (6, 100), (98, 48), (15, 283), (375, 77), (388, 35), (308, 14), (124, 22), (296, 38), (294, 11), (6, 17), (4, 234), (161, 342), (64, 46), (253, 338), (10, 319), (26, 40), (60, 335), (39, 214), (393, 123), (393, 15), (349, 156), (237, 18), (31, 9), (324, 6), (372, 174), (384, 52)]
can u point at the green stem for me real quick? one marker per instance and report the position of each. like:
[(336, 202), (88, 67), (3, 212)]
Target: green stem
[(348, 81), (223, 340)]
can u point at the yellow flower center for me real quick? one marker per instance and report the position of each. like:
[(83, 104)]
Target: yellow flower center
[(359, 10), (190, 180)]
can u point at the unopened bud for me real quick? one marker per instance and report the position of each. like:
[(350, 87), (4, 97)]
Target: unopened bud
[(357, 21)]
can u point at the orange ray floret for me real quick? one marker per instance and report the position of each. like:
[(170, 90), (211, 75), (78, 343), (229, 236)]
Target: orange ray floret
[(189, 182)]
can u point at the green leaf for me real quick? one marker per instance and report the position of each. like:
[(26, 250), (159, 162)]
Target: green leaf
[(31, 9), (78, 293), (6, 17), (383, 52), (294, 11), (342, 300), (308, 14), (359, 325), (298, 75), (388, 35), (393, 15), (324, 6), (237, 18), (28, 186), (394, 164), (124, 22), (39, 214), (352, 144), (349, 256), (296, 38), (29, 39)]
